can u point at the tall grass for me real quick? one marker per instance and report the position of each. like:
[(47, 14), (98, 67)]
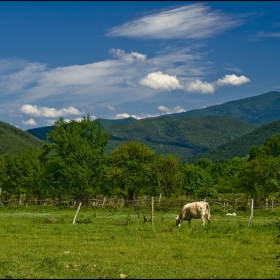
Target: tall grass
[(42, 242)]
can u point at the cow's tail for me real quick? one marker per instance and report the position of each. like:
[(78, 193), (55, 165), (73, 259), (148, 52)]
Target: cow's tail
[(210, 218), (209, 215), (208, 212)]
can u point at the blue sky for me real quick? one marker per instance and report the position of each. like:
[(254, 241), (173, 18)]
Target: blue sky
[(133, 59)]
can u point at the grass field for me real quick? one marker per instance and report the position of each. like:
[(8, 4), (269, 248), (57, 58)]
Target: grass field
[(43, 242)]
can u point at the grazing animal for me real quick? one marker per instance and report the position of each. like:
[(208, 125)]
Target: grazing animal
[(194, 210)]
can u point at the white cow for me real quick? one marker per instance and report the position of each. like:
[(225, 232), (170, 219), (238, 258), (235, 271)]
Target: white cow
[(194, 210)]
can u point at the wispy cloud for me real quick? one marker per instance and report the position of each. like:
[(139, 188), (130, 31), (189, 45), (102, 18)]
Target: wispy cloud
[(122, 79), (267, 34), (166, 110), (234, 69), (131, 57), (138, 117), (189, 21)]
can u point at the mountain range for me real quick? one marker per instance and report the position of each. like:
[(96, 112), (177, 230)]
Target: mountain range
[(217, 132)]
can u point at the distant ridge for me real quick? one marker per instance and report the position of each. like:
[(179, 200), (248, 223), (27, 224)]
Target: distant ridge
[(241, 146), (259, 110), (41, 132), (14, 140)]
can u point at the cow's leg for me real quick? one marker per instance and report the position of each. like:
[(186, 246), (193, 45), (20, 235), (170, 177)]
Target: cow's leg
[(189, 221), (203, 221)]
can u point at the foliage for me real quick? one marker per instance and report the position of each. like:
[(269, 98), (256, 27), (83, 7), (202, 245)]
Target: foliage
[(131, 168), (168, 174), (73, 164), (78, 148)]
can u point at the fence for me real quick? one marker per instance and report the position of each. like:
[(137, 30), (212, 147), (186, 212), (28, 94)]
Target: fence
[(159, 202), (152, 204)]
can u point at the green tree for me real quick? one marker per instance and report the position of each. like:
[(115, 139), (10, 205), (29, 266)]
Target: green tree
[(225, 174), (78, 151), (260, 177), (168, 174), (131, 169), (197, 181)]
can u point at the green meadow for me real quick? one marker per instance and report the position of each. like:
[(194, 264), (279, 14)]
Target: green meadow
[(42, 242)]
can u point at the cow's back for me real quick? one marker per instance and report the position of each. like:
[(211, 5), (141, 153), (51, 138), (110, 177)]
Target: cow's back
[(194, 210), (191, 211)]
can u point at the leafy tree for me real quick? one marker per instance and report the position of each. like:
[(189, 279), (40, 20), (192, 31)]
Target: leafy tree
[(260, 177), (167, 169), (225, 174), (23, 173), (197, 180), (78, 152), (131, 169), (10, 175), (203, 162), (271, 147), (30, 173)]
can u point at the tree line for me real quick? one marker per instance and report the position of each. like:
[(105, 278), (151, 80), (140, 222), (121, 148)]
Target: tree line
[(72, 164)]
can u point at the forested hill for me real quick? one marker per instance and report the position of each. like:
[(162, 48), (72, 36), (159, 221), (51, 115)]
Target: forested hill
[(180, 137), (241, 146), (260, 109), (41, 132), (14, 140)]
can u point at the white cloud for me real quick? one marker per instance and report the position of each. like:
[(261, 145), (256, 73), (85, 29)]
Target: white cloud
[(199, 86), (189, 21), (137, 117), (91, 86), (167, 110), (95, 83), (122, 116), (132, 57), (232, 80), (29, 122), (48, 112), (158, 80), (227, 80)]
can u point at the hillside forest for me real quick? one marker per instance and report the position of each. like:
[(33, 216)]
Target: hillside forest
[(72, 164)]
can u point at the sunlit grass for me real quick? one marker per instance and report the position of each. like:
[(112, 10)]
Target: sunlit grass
[(43, 243)]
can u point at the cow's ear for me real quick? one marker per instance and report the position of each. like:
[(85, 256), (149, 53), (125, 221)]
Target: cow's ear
[(176, 217)]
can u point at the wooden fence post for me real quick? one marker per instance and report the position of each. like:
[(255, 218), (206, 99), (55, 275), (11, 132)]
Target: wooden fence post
[(152, 217), (252, 211), (77, 213), (272, 204)]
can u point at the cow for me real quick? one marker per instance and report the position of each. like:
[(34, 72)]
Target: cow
[(194, 210)]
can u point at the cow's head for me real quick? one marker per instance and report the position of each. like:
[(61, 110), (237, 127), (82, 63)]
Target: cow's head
[(178, 220)]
